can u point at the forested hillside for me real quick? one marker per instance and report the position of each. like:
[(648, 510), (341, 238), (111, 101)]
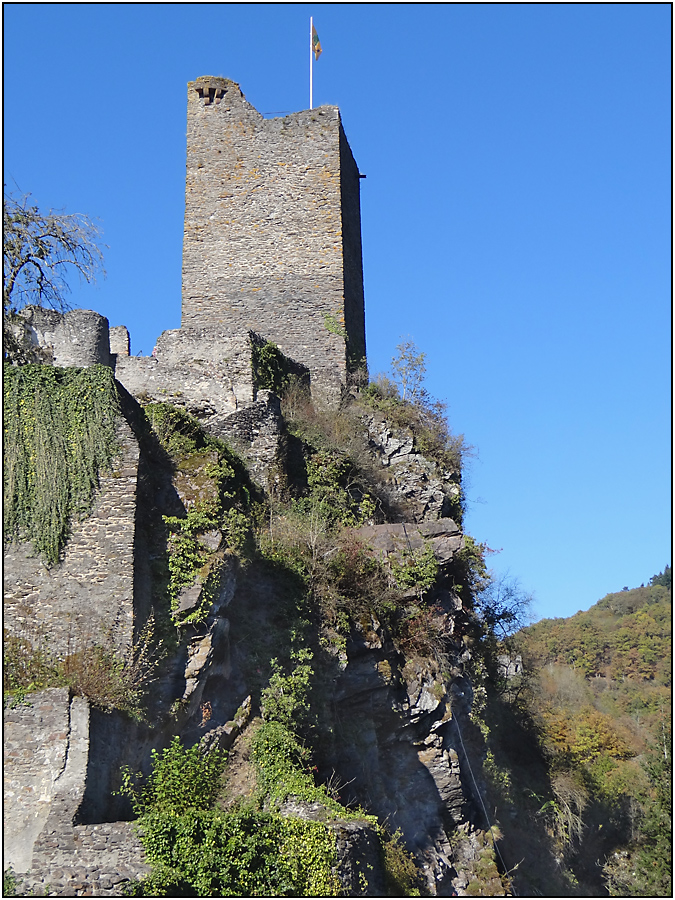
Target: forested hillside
[(596, 694)]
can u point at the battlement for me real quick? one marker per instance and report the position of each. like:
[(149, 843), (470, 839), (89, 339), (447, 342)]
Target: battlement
[(272, 239)]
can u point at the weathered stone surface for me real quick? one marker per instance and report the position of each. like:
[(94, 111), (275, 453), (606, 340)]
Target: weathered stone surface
[(359, 861), (120, 343), (46, 768), (272, 238), (217, 580), (223, 736), (399, 539), (89, 595), (36, 740), (510, 666), (78, 337), (205, 371), (425, 491), (211, 539), (256, 432)]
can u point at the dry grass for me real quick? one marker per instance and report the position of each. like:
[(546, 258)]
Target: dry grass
[(110, 677)]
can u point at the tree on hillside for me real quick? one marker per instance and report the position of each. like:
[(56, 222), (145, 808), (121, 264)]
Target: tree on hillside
[(40, 251), (664, 578)]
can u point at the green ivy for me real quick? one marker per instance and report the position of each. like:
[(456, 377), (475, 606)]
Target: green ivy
[(334, 327), (196, 850), (59, 434), (271, 369)]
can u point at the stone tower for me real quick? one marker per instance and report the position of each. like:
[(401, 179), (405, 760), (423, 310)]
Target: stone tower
[(272, 239)]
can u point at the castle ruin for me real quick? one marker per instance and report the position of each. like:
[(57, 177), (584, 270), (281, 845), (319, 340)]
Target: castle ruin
[(272, 240)]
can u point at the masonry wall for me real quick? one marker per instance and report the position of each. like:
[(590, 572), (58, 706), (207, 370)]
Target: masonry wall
[(47, 770), (272, 239), (78, 337), (199, 369), (90, 594)]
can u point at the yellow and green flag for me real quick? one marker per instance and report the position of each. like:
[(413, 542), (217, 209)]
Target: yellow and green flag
[(316, 43)]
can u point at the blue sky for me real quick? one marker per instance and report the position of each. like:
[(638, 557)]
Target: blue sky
[(516, 225)]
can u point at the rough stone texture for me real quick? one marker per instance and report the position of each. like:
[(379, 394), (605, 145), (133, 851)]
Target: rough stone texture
[(359, 861), (272, 239), (89, 595), (404, 740), (256, 432), (204, 371), (510, 666), (87, 861), (120, 343), (420, 486), (46, 772), (36, 740), (399, 539), (75, 338), (223, 736)]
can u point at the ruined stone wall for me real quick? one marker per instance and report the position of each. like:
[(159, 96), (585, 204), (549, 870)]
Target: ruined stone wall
[(90, 593), (201, 370), (46, 772), (272, 239), (79, 337)]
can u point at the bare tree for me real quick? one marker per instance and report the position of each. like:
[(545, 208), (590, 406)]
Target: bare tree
[(40, 251)]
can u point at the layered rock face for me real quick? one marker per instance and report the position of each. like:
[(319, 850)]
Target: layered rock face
[(418, 486), (402, 743)]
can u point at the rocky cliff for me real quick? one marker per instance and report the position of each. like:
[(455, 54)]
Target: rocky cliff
[(326, 534)]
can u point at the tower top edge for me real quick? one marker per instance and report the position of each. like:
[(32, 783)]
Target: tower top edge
[(220, 85)]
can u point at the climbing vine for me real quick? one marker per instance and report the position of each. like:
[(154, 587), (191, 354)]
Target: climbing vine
[(59, 434), (271, 370), (198, 850)]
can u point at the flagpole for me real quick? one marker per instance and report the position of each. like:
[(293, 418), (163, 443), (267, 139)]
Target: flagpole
[(311, 25)]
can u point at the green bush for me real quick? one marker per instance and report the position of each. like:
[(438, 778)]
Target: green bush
[(244, 853), (416, 569), (196, 850), (178, 432), (271, 369), (181, 779), (402, 877)]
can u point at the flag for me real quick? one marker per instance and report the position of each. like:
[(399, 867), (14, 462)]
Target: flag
[(316, 43)]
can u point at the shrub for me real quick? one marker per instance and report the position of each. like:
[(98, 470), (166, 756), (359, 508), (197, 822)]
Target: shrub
[(272, 370), (244, 853), (424, 634), (401, 875), (286, 698), (110, 678), (416, 569), (196, 850), (178, 432), (181, 779)]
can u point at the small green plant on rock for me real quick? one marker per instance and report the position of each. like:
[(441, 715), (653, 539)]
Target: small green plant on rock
[(402, 877), (416, 569)]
